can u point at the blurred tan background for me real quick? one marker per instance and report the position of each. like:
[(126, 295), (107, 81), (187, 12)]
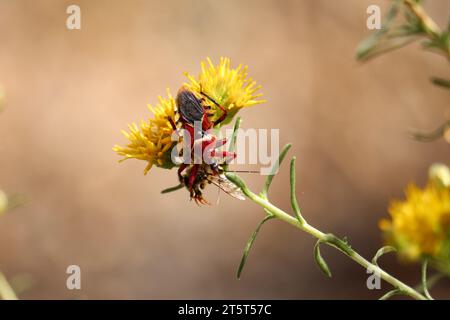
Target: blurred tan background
[(69, 93)]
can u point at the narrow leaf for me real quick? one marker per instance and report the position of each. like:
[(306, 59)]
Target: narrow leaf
[(320, 261), (368, 45), (249, 245), (390, 294), (233, 137), (172, 189), (445, 83), (274, 170), (234, 178), (385, 46), (294, 202), (432, 135), (381, 252)]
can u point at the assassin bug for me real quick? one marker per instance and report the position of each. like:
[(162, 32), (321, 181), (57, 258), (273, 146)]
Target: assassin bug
[(192, 110)]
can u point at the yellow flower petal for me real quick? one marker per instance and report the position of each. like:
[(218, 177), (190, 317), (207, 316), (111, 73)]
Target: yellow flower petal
[(151, 140), (231, 88), (419, 225)]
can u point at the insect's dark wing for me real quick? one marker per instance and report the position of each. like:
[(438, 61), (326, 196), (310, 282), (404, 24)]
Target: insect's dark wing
[(189, 107)]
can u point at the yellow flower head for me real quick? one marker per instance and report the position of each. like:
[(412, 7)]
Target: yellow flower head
[(151, 141), (231, 88), (3, 202), (420, 225)]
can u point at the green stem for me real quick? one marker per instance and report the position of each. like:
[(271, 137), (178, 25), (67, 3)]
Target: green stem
[(435, 278), (327, 238), (430, 27), (427, 23), (424, 280)]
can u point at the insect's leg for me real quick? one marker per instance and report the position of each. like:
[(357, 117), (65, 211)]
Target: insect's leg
[(226, 155), (221, 142), (174, 126), (222, 117), (192, 176), (180, 171), (172, 123), (198, 196), (208, 140), (209, 98), (200, 145)]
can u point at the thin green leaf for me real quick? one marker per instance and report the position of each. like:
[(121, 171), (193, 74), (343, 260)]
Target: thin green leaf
[(381, 252), (320, 261), (432, 135), (233, 137), (172, 189), (238, 181), (274, 170), (249, 245), (411, 18), (445, 83), (368, 45), (386, 46), (431, 44), (294, 202), (391, 293), (424, 279)]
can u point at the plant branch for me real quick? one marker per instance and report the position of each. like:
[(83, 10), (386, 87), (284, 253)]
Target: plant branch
[(427, 23), (431, 281), (322, 237)]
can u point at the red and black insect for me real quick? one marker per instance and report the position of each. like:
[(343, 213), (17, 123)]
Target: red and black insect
[(193, 110)]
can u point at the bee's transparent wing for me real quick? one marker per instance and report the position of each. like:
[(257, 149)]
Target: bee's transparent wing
[(227, 186)]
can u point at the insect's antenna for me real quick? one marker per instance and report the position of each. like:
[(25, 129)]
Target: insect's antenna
[(207, 96), (243, 171), (173, 125), (218, 196)]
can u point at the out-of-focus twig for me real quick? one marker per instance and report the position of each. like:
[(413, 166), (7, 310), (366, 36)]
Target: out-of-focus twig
[(6, 291), (428, 25), (393, 35), (430, 136)]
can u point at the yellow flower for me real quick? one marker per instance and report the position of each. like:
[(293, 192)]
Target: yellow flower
[(151, 141), (420, 225), (231, 88), (3, 202)]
